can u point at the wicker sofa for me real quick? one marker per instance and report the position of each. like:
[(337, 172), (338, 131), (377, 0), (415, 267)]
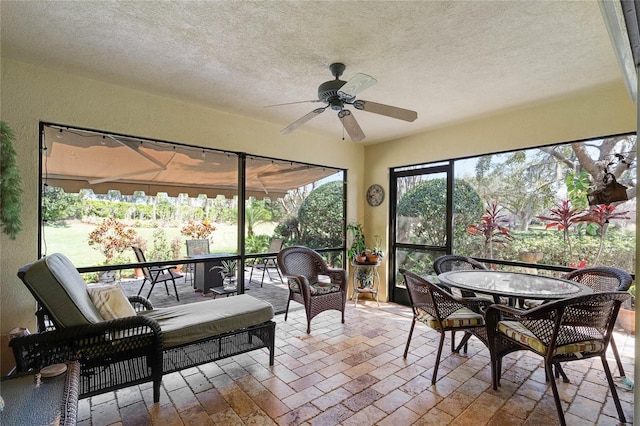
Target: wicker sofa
[(118, 352)]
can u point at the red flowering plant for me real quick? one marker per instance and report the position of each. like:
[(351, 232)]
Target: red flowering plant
[(198, 230), (562, 218), (112, 238), (492, 228), (601, 215)]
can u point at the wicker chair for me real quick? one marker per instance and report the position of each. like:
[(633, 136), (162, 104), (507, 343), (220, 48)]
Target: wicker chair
[(454, 262), (156, 274), (566, 330), (301, 266), (600, 279), (443, 311)]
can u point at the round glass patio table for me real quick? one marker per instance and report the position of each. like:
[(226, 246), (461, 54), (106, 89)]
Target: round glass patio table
[(514, 285)]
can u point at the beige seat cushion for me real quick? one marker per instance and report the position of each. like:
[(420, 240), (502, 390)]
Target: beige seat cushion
[(195, 321), (461, 318), (518, 332)]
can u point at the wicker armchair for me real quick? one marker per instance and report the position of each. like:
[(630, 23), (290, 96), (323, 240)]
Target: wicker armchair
[(566, 330), (301, 266), (600, 279), (443, 311)]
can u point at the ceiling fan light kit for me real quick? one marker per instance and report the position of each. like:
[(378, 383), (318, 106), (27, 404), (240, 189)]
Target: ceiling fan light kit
[(338, 93)]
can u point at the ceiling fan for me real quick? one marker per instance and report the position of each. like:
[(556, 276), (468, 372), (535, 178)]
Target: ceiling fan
[(338, 93)]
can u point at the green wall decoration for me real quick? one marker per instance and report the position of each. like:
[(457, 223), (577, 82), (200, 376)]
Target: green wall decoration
[(10, 184)]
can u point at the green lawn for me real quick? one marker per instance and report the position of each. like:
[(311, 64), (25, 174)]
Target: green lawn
[(72, 240)]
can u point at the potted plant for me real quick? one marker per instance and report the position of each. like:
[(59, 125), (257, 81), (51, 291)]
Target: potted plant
[(627, 313), (374, 255), (357, 251), (227, 270)]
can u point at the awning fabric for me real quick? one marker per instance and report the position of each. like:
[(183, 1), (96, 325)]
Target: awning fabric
[(76, 160)]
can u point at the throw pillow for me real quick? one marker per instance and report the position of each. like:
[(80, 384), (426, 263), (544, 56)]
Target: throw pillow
[(110, 301)]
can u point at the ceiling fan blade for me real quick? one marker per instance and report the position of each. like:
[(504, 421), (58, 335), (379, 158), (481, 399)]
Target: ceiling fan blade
[(388, 110), (292, 103), (299, 122), (355, 85), (351, 125)]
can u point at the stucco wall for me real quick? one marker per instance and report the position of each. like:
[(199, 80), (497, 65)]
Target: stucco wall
[(31, 94), (596, 112)]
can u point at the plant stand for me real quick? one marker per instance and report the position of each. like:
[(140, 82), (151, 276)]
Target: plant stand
[(366, 280)]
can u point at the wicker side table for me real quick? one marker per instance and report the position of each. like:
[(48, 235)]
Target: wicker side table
[(30, 399)]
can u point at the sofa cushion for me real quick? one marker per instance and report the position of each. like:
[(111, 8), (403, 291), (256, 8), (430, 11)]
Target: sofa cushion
[(110, 301), (194, 321), (57, 284)]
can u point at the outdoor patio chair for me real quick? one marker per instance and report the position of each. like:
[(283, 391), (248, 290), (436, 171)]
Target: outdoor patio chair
[(603, 278), (454, 262), (156, 274), (195, 247), (267, 262), (302, 266), (565, 330), (442, 311)]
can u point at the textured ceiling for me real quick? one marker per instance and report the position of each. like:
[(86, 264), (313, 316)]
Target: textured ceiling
[(449, 61)]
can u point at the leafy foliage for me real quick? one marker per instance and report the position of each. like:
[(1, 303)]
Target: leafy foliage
[(161, 249), (321, 217), (112, 238), (57, 205), (10, 184), (492, 228), (562, 218), (423, 211), (198, 230)]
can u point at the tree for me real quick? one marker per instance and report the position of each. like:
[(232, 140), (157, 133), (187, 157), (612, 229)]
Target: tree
[(616, 155), (422, 211), (255, 213), (321, 216), (57, 205), (523, 186)]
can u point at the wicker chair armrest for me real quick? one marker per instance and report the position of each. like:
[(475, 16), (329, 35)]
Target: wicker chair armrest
[(103, 340), (140, 303), (303, 284), (338, 276)]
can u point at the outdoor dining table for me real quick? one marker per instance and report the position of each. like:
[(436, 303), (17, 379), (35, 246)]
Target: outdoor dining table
[(513, 285)]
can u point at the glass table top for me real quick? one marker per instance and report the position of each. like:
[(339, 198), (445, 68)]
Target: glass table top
[(514, 284)]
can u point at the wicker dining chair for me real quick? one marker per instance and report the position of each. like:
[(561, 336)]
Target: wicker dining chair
[(443, 312), (454, 262), (301, 267), (604, 278), (565, 330)]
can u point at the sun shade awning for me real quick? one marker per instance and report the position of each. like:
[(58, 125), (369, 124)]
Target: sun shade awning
[(76, 160)]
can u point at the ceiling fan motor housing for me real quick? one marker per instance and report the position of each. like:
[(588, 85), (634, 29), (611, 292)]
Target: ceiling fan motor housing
[(328, 92)]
